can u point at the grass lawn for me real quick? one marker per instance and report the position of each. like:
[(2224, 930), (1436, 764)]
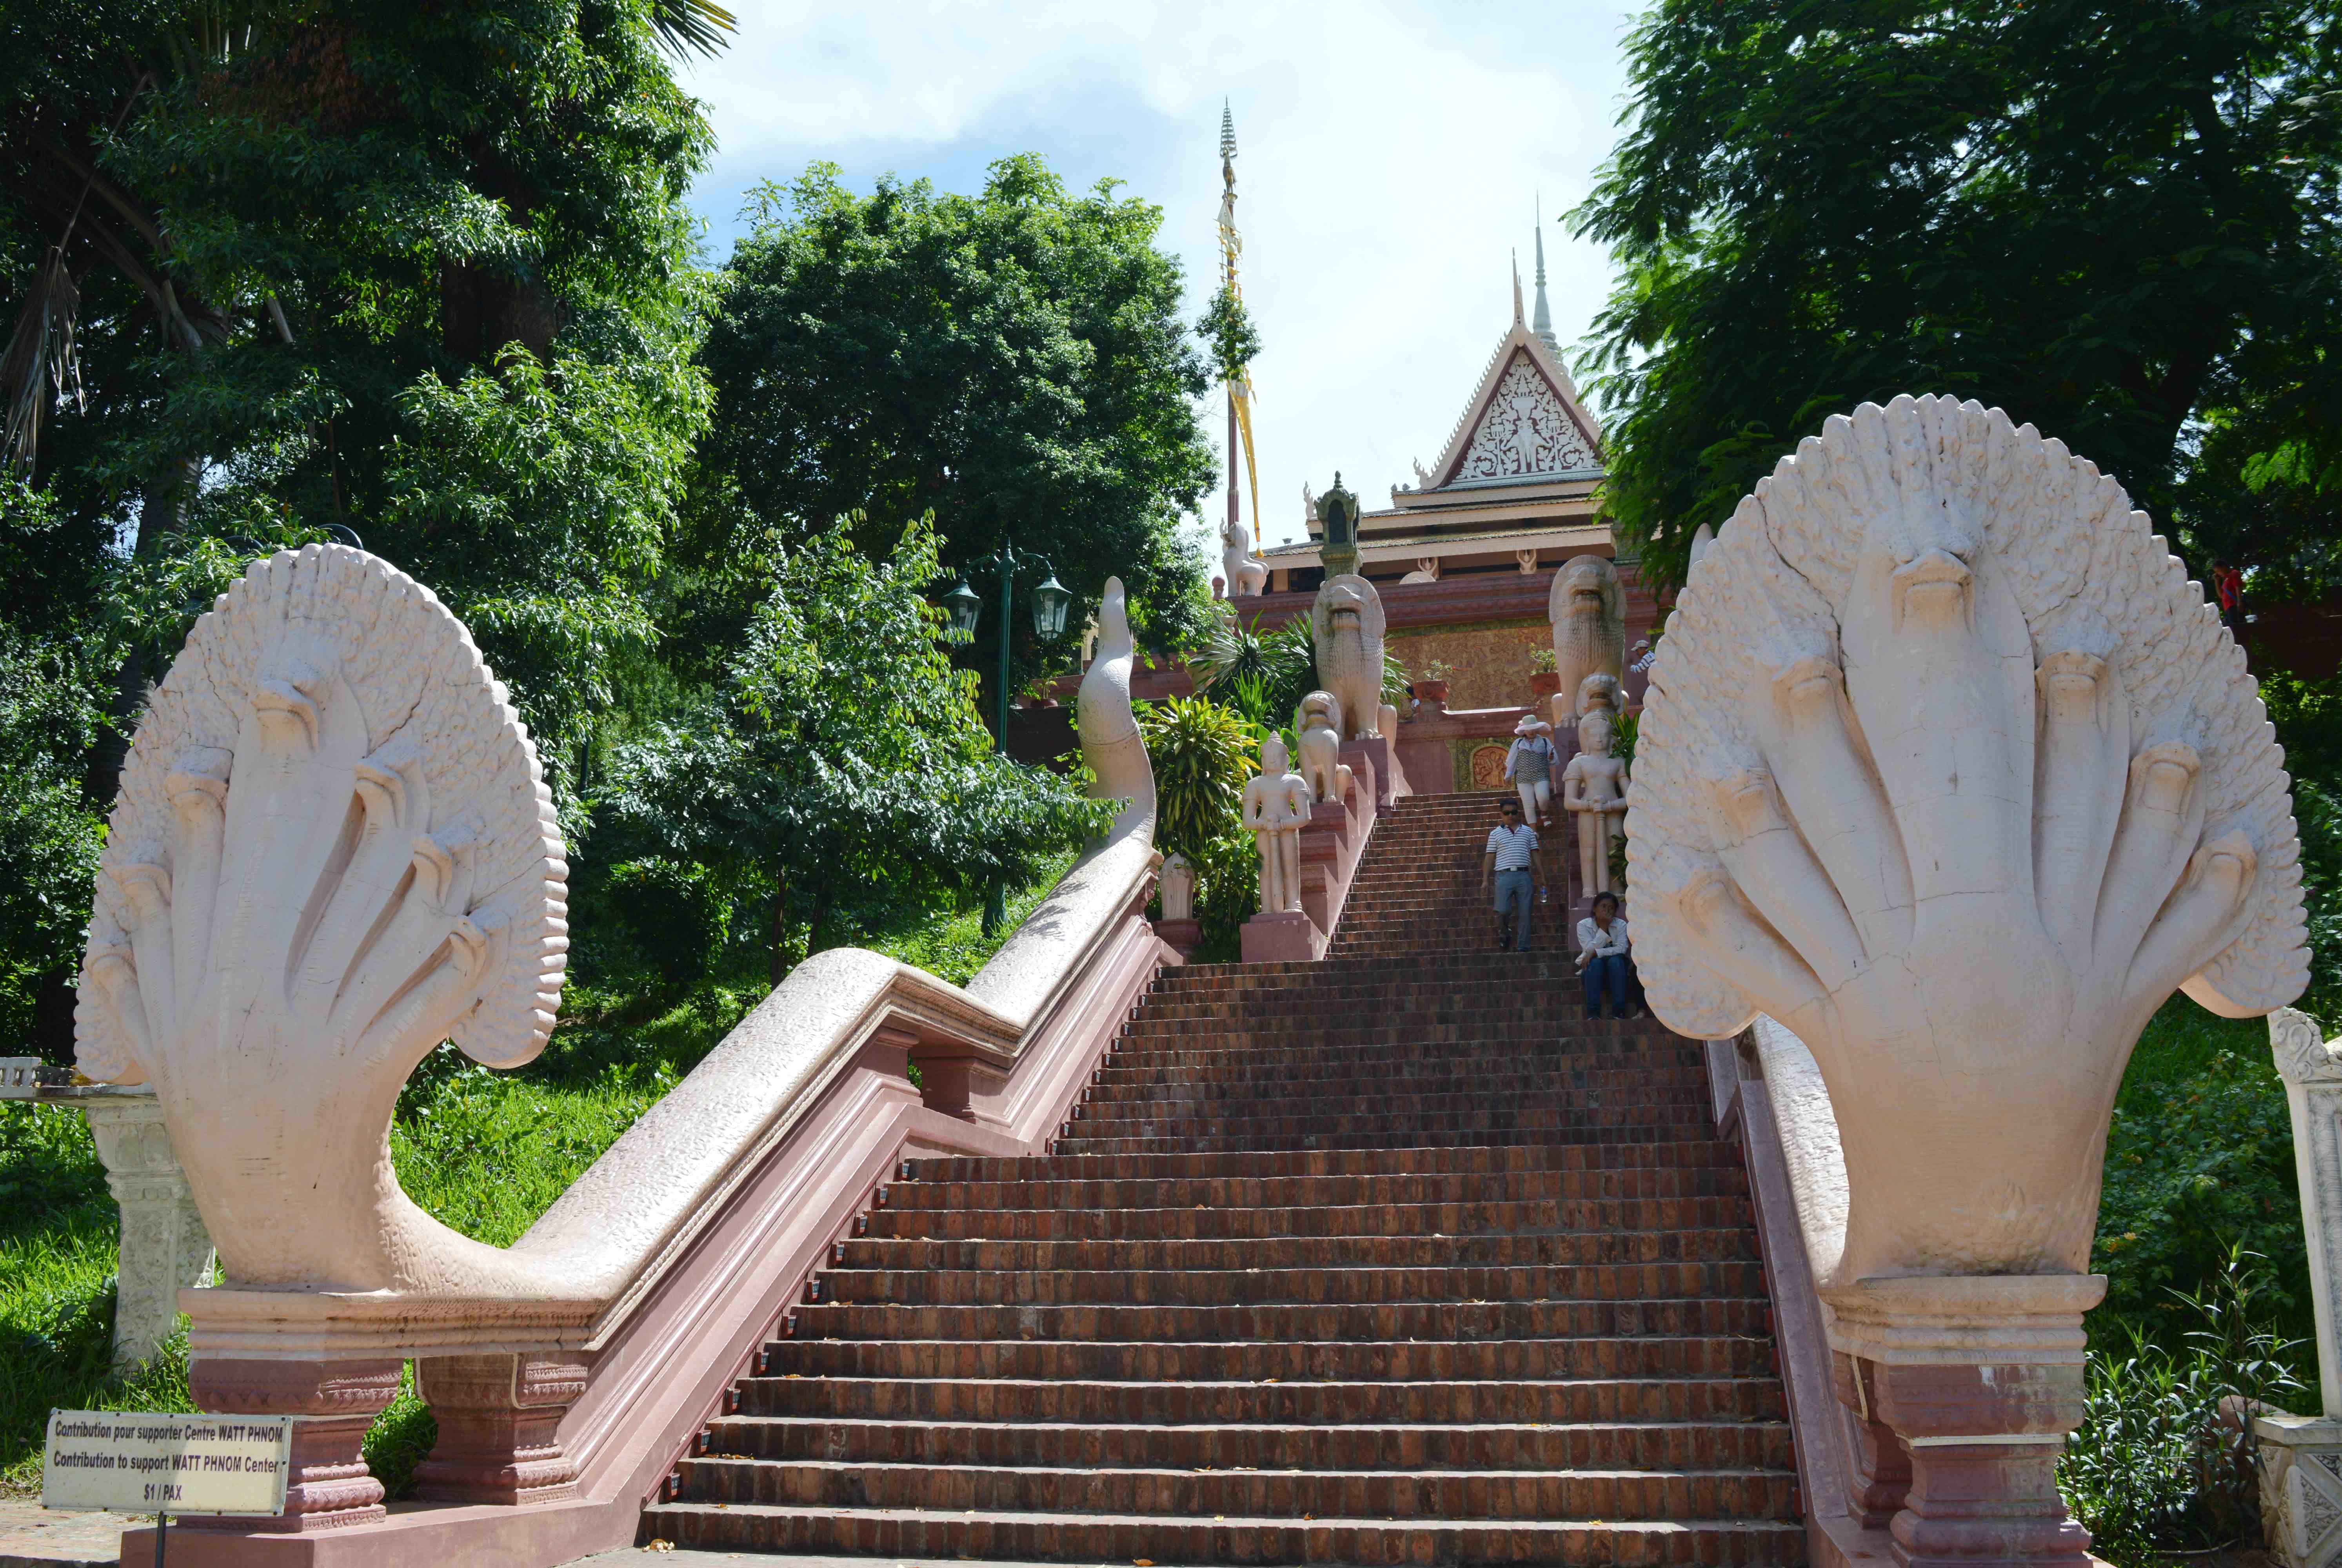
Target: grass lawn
[(484, 1152)]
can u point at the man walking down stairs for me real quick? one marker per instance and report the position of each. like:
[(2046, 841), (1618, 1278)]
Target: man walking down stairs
[(1389, 1258)]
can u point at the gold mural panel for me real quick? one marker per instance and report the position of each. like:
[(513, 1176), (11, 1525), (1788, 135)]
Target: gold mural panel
[(1483, 763), (1488, 662)]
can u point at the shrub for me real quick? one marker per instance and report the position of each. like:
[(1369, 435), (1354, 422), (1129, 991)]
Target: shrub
[(2155, 1468)]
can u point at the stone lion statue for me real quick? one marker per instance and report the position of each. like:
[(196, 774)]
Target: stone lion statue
[(1587, 609), (1318, 722), (1345, 626)]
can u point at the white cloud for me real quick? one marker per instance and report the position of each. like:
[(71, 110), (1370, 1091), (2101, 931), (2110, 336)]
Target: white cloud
[(1389, 156)]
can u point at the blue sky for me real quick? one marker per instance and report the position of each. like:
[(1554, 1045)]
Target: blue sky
[(1389, 154)]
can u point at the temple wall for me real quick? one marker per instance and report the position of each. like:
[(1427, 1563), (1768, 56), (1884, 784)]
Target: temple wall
[(1488, 661)]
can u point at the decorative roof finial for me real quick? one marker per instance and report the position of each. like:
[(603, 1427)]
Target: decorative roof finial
[(1516, 288), (1227, 132), (1542, 322)]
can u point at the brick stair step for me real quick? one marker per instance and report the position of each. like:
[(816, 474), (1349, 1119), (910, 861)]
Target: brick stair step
[(1595, 1310), (1751, 1400), (936, 1175), (1585, 1105), (1713, 1226), (1355, 1223), (1166, 1074), (1607, 1494), (1108, 1538), (1582, 1445), (1418, 1138), (1345, 1361)]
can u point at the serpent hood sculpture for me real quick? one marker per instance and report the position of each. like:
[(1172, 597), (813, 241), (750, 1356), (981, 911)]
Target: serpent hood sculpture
[(333, 849), (1346, 625), (1947, 766)]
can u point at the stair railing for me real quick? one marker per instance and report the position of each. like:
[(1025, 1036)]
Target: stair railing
[(664, 1268), (1768, 1091)]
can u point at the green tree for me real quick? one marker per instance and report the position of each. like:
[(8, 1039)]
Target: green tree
[(303, 242), (2116, 218), (1012, 362), (842, 771), (417, 277)]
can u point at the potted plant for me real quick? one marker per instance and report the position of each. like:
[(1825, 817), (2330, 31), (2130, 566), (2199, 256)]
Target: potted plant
[(1431, 685), (1545, 679)]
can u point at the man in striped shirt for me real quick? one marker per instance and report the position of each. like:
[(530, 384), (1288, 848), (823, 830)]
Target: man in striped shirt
[(1512, 862)]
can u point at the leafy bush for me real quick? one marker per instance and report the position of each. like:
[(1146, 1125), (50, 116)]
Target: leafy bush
[(2199, 1159), (1203, 755), (2156, 1467), (1202, 752)]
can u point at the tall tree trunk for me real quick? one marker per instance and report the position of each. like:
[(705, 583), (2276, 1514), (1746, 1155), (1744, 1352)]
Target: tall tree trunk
[(780, 925)]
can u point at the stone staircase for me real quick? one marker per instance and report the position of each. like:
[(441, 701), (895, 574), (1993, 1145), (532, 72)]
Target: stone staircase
[(1392, 1258)]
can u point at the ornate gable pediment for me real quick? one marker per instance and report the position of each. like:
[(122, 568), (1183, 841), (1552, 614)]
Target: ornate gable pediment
[(1524, 419), (1523, 428)]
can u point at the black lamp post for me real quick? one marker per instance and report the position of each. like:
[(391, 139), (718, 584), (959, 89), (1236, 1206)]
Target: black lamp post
[(1051, 599)]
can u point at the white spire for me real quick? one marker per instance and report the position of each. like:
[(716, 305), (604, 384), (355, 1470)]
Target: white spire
[(1516, 288), (1542, 322)]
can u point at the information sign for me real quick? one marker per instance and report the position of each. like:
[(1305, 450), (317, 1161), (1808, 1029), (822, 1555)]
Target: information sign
[(139, 1463)]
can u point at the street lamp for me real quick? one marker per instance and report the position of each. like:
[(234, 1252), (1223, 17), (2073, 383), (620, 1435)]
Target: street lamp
[(1051, 599), (965, 607)]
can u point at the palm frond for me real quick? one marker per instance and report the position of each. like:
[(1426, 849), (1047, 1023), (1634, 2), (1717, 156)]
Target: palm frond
[(692, 26), (41, 364)]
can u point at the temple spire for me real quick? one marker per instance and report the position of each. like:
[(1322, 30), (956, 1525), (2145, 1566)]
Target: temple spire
[(1542, 322), (1516, 288)]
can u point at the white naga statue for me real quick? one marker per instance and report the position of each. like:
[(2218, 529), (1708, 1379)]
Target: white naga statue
[(1587, 610), (1594, 791), (1346, 625), (1318, 723), (1947, 767), (333, 849), (1277, 805), (1244, 576)]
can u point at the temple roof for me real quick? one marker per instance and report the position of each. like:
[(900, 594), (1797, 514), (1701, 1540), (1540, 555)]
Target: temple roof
[(1524, 453)]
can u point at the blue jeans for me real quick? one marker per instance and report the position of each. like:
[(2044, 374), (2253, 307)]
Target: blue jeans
[(1515, 899), (1613, 976)]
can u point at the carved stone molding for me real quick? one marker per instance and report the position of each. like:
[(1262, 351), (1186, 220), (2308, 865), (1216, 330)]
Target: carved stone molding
[(2312, 1071), (499, 1427), (2301, 1488), (330, 1487), (165, 1247)]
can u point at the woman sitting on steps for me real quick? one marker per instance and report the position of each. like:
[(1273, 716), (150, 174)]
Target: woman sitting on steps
[(1602, 955)]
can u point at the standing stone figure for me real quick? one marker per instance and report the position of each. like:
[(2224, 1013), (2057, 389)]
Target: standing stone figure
[(1319, 724), (1277, 805), (1587, 609), (1594, 789), (1345, 626)]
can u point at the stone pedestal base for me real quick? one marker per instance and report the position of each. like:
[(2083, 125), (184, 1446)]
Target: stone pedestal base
[(335, 1402), (499, 1425), (1182, 935), (1979, 1380), (2301, 1488), (1288, 938)]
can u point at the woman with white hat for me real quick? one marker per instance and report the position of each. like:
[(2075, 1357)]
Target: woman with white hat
[(1530, 765)]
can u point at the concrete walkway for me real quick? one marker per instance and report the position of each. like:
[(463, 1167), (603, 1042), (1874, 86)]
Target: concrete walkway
[(31, 1536)]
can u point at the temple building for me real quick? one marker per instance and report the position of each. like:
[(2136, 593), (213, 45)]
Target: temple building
[(1465, 558)]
